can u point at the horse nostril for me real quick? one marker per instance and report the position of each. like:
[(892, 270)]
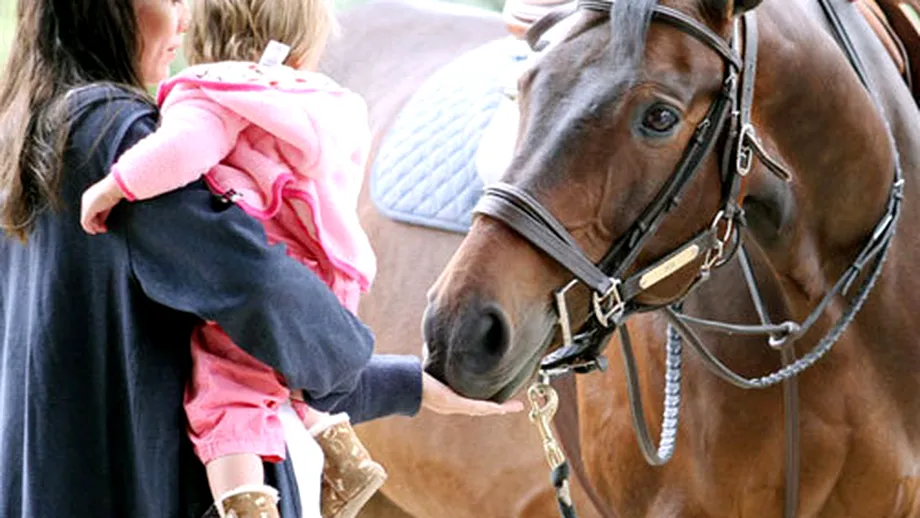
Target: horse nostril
[(465, 343), (491, 331)]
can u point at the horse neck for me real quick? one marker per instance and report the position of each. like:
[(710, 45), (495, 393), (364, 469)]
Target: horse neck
[(839, 151), (814, 113)]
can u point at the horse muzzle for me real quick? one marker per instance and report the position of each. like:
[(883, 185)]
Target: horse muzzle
[(467, 346)]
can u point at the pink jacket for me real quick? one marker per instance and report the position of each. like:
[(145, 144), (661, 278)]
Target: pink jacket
[(288, 146)]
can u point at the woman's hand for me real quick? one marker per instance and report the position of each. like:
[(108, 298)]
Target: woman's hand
[(439, 398), (97, 202)]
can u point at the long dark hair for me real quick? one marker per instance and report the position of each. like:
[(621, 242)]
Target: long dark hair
[(58, 45)]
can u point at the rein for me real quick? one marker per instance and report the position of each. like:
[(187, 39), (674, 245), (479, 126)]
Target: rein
[(614, 297)]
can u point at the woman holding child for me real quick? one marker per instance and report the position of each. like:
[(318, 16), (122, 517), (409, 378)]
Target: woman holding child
[(245, 251)]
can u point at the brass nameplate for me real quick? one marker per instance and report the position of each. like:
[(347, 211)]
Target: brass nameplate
[(662, 271)]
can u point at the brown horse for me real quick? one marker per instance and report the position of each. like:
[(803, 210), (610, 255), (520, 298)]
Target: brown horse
[(607, 117), (438, 466)]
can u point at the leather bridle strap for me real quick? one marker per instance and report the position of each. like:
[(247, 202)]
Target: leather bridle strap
[(840, 34), (747, 145), (612, 297), (699, 31), (679, 20), (626, 250), (790, 396), (621, 256), (519, 210), (623, 253)]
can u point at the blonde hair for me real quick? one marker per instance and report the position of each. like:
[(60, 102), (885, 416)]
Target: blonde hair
[(239, 30)]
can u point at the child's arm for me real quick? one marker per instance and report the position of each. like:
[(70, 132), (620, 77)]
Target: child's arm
[(96, 204), (194, 137)]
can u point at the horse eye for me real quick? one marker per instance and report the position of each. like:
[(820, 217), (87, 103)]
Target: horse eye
[(660, 119)]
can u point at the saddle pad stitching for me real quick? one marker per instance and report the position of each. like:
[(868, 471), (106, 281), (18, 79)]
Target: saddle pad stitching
[(425, 171)]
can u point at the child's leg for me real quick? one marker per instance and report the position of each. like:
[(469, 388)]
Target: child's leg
[(232, 406), (306, 459), (232, 471), (309, 415)]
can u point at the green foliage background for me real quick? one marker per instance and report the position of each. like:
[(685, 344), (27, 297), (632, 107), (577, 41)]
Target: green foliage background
[(8, 8)]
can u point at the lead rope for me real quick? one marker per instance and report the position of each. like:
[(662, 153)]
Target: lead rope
[(544, 401)]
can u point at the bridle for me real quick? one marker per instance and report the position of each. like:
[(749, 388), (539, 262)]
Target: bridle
[(614, 297)]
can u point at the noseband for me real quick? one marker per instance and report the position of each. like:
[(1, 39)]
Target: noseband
[(614, 298)]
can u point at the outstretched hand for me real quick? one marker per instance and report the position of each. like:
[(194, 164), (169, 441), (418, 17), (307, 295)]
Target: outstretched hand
[(439, 398)]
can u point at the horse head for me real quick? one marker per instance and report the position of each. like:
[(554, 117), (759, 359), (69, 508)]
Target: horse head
[(641, 150)]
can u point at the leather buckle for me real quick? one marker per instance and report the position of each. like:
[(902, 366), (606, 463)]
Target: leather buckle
[(610, 305), (744, 158)]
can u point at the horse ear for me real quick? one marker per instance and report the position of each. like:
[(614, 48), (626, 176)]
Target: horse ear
[(726, 9)]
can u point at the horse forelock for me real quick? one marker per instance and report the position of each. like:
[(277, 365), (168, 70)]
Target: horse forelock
[(588, 72), (629, 24), (575, 93)]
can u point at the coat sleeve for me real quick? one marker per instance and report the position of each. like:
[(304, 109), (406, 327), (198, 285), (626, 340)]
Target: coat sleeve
[(195, 254), (371, 397), (193, 137)]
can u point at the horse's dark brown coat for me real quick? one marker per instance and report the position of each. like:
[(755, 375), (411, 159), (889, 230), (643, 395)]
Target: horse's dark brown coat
[(579, 154)]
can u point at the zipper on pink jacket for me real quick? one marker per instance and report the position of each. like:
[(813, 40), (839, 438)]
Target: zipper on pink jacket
[(311, 243)]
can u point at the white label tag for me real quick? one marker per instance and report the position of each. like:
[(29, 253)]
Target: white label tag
[(275, 53)]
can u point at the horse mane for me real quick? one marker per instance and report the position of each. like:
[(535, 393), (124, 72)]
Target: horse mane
[(629, 24)]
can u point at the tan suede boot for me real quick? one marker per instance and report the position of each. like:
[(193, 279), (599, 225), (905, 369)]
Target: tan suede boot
[(350, 476), (255, 501)]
